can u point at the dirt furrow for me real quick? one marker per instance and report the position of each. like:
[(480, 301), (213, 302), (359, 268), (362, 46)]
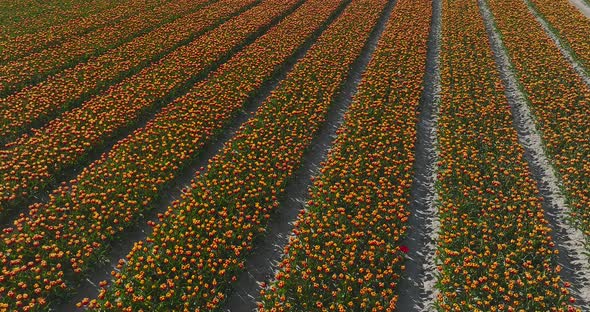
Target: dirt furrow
[(261, 264), (417, 287), (569, 240), (89, 286), (584, 7), (562, 45)]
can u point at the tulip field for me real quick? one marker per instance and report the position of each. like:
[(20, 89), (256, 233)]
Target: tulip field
[(295, 155)]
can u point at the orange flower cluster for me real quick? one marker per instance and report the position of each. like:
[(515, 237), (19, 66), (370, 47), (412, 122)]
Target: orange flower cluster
[(345, 255), (41, 16), (191, 258), (42, 102), (59, 241), (495, 251), (30, 163), (559, 99), (570, 24), (23, 45), (37, 66)]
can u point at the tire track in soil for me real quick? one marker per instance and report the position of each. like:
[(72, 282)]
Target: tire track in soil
[(417, 291), (561, 44), (119, 249), (64, 176), (569, 240), (260, 265)]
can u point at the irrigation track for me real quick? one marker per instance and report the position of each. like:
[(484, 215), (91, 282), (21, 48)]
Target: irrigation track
[(260, 265), (561, 44), (569, 240), (417, 291), (181, 184), (582, 6), (64, 176)]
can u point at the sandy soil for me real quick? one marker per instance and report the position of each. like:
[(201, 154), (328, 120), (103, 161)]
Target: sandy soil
[(582, 6)]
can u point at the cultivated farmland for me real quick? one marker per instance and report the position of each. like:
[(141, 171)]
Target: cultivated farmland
[(295, 155)]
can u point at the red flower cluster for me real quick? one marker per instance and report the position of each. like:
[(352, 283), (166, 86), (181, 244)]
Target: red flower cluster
[(495, 252), (345, 255), (193, 255)]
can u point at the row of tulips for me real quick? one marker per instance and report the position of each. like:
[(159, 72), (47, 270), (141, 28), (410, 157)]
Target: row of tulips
[(35, 67), (559, 99), (346, 253), (38, 16), (28, 43), (37, 104), (495, 252), (32, 163), (62, 239), (570, 24), (193, 255)]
